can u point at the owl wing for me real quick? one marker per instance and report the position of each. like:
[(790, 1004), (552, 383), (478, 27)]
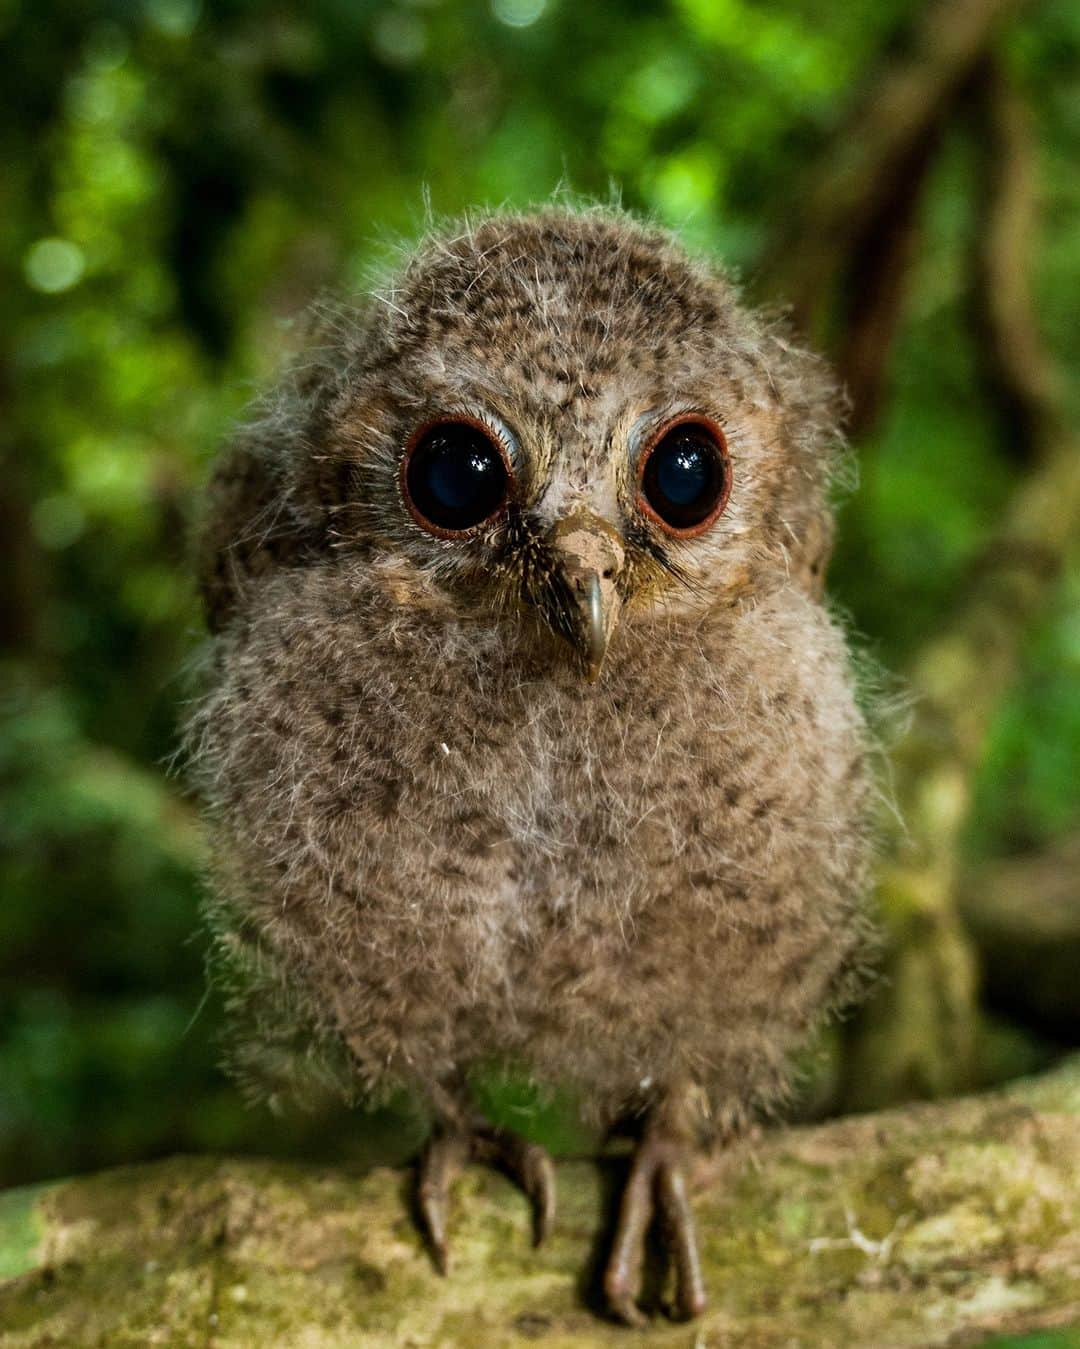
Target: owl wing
[(250, 524), (812, 561)]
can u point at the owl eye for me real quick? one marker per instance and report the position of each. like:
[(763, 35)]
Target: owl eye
[(454, 477), (684, 476)]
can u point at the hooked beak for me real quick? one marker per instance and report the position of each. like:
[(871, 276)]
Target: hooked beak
[(588, 554)]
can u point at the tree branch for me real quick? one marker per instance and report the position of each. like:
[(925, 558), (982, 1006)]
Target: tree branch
[(1018, 377), (859, 175), (845, 264), (926, 1226)]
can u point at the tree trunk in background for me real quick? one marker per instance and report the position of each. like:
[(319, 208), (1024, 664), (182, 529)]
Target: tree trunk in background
[(845, 268), (21, 563), (919, 1036), (1024, 917), (1019, 379), (877, 151)]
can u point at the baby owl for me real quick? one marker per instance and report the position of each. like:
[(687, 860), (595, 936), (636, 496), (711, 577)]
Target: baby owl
[(527, 739)]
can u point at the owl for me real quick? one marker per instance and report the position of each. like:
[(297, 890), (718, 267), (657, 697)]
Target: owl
[(527, 740)]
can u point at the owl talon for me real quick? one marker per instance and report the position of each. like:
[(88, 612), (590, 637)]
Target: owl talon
[(443, 1159), (656, 1180), (678, 1220), (539, 1176), (526, 1163)]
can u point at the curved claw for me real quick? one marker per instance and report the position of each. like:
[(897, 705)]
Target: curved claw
[(656, 1176), (622, 1276), (527, 1163), (678, 1218), (443, 1160), (538, 1177)]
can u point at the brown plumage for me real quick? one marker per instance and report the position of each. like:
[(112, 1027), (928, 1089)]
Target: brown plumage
[(572, 790)]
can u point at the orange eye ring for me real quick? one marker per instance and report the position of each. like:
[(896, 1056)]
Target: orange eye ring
[(455, 476), (685, 490)]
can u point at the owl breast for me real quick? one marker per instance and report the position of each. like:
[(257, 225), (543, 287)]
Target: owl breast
[(467, 854)]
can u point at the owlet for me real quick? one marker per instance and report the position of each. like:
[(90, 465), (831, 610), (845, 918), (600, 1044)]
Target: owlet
[(528, 739)]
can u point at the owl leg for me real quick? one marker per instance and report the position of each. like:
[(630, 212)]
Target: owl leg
[(657, 1181), (455, 1143)]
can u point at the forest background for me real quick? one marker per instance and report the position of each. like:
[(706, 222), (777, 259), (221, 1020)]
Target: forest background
[(178, 180)]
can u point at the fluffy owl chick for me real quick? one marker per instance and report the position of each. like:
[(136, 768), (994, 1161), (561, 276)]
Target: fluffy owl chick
[(528, 740)]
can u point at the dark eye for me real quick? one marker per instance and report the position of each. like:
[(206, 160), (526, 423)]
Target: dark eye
[(454, 477), (685, 476)]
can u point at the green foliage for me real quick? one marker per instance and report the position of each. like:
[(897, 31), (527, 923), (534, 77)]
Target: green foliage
[(1046, 1339), (1030, 788), (179, 179)]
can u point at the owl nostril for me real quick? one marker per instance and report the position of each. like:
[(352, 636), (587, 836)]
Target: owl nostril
[(580, 583)]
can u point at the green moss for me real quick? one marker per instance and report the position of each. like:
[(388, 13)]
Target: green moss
[(1068, 1338), (907, 1228), (21, 1230)]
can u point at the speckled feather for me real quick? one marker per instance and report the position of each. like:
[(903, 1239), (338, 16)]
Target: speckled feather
[(434, 844)]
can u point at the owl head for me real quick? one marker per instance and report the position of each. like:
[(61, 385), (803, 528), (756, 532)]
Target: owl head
[(558, 416)]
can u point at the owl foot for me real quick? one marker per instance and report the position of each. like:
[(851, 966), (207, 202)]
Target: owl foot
[(527, 1163), (657, 1180), (448, 1153)]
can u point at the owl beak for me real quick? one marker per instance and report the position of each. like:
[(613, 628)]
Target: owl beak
[(588, 554)]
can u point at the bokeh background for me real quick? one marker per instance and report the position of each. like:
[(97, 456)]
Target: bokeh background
[(178, 179)]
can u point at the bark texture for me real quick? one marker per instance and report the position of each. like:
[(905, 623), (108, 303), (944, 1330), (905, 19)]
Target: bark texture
[(1024, 916), (924, 1226)]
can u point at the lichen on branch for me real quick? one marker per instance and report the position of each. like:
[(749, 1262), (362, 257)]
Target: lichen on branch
[(921, 1226)]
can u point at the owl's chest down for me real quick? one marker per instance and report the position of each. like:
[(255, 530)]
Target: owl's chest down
[(467, 857), (663, 876)]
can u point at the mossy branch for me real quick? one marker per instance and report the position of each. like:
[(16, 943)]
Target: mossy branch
[(930, 1225)]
